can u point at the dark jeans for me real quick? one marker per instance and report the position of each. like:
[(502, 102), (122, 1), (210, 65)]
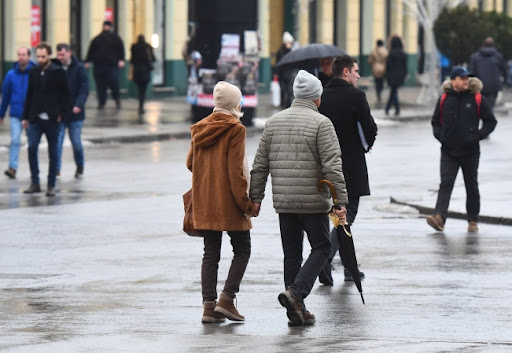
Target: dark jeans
[(393, 100), (241, 242), (106, 77), (449, 168), (34, 133), (491, 98), (379, 85), (352, 208), (297, 277)]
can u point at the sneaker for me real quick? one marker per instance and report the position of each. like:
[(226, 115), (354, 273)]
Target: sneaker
[(11, 173), (210, 315), (294, 308), (349, 278), (79, 172), (472, 227), (325, 275), (436, 222), (50, 191), (227, 307), (32, 189)]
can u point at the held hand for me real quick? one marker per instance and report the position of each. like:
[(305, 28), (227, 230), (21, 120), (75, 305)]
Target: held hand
[(76, 110), (59, 118), (120, 64), (25, 124), (87, 65), (257, 208), (342, 213)]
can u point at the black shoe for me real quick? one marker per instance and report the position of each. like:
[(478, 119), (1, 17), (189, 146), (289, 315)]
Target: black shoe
[(118, 104), (50, 191), (325, 275), (79, 172), (100, 106), (348, 276), (32, 189)]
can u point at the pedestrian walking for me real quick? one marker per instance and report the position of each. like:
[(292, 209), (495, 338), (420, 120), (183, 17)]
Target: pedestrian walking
[(45, 105), (14, 90), (73, 119), (456, 125), (285, 74), (106, 52), (325, 73), (142, 60), (349, 112), (489, 66), (298, 148), (220, 175), (396, 71), (377, 61)]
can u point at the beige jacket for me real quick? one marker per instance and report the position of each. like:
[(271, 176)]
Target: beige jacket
[(377, 61)]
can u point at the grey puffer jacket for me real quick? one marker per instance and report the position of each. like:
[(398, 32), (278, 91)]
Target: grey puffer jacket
[(298, 147)]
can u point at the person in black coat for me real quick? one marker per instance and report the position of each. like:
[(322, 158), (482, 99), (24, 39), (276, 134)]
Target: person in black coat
[(396, 71), (285, 74), (142, 60), (106, 51), (45, 105), (78, 82), (455, 124), (349, 112)]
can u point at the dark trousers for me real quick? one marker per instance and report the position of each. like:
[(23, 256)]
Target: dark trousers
[(379, 85), (34, 133), (141, 87), (449, 168), (352, 208), (297, 277), (393, 100), (106, 77), (241, 242)]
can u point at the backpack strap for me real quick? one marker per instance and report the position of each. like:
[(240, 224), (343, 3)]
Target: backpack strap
[(478, 99), (441, 102)]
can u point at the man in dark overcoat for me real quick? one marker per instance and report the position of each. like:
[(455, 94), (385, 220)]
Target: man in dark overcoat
[(349, 112)]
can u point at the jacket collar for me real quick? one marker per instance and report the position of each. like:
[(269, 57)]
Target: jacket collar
[(303, 103), (337, 82)]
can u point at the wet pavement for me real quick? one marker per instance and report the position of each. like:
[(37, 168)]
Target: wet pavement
[(105, 267)]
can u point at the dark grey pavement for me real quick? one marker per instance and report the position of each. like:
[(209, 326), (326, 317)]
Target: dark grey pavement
[(105, 267)]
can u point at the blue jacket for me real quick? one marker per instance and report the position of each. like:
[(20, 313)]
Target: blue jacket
[(14, 90), (78, 83)]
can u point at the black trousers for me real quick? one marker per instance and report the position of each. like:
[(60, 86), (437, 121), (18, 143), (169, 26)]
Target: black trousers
[(449, 168)]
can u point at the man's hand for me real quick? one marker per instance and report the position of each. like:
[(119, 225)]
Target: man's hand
[(87, 65), (257, 208), (59, 118), (120, 64), (76, 110), (25, 124), (342, 213)]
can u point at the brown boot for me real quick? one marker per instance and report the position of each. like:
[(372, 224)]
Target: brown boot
[(227, 307), (436, 222), (10, 172), (472, 227), (294, 308), (209, 314)]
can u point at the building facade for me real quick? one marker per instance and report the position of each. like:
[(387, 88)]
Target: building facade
[(353, 25)]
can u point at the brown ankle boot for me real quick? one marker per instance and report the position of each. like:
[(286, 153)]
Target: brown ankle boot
[(209, 315), (227, 307)]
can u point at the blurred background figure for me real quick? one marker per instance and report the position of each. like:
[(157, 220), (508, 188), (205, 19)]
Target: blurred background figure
[(377, 61), (396, 71), (142, 60), (285, 75), (325, 73)]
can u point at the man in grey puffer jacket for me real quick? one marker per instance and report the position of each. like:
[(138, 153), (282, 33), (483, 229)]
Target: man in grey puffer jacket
[(298, 148)]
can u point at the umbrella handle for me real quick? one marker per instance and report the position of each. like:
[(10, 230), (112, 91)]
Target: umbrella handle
[(331, 187)]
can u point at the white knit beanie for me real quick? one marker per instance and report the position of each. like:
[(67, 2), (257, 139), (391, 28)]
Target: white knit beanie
[(307, 86), (287, 38), (226, 95)]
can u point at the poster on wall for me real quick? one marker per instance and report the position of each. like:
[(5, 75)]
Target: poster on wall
[(35, 25)]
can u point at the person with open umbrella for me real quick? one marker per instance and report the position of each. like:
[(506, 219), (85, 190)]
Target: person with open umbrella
[(285, 74), (298, 148)]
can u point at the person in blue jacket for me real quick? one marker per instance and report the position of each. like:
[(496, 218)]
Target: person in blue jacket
[(14, 90), (74, 117)]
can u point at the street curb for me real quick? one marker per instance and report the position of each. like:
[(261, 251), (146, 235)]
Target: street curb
[(457, 215)]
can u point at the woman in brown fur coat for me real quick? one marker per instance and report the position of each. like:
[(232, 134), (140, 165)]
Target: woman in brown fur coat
[(220, 202)]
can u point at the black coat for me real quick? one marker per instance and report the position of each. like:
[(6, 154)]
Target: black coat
[(142, 59), (396, 67), (46, 93), (459, 131), (78, 82), (346, 105), (106, 49), (489, 66)]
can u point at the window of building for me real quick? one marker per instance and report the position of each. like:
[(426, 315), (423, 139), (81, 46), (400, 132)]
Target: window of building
[(158, 42), (75, 27)]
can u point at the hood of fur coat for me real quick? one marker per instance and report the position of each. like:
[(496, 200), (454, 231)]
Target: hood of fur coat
[(475, 85)]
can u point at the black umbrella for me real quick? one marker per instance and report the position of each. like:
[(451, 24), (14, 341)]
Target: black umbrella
[(308, 52), (347, 250)]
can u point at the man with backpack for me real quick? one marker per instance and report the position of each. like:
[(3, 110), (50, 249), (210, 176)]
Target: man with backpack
[(456, 123)]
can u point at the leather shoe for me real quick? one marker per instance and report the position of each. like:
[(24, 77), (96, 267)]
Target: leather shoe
[(349, 278), (32, 189), (325, 275)]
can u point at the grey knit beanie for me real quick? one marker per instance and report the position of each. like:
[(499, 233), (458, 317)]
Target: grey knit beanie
[(307, 86)]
